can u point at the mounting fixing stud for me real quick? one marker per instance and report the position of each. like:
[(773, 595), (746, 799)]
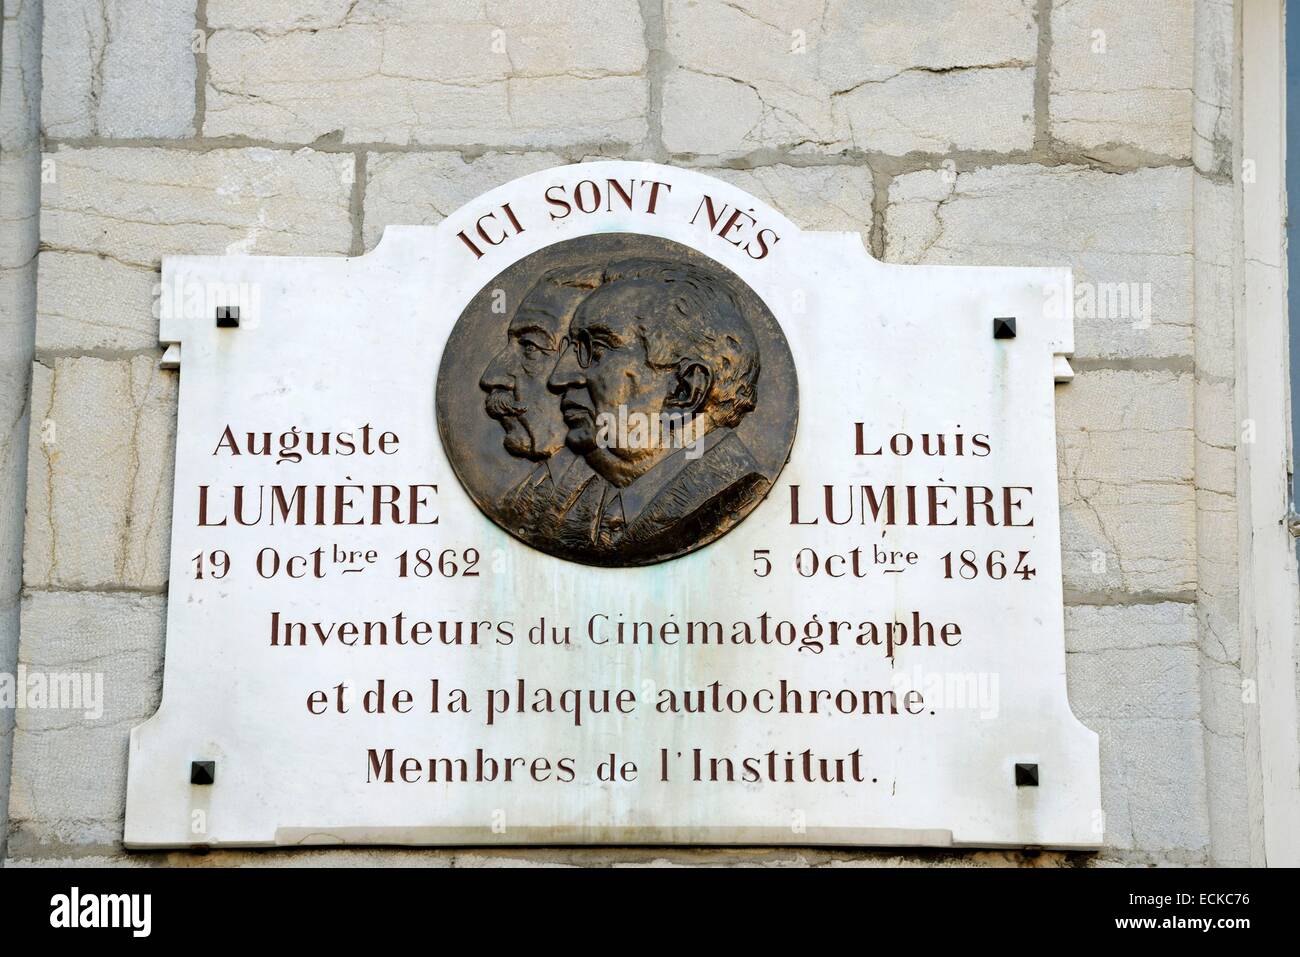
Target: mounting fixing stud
[(203, 772), (227, 317), (1026, 775), (1004, 327)]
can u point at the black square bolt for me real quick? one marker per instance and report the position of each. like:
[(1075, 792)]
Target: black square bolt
[(1026, 775), (227, 317), (203, 772), (1004, 327)]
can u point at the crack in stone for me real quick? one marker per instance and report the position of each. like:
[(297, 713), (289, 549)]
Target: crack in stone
[(934, 71), (97, 69), (201, 67), (49, 453)]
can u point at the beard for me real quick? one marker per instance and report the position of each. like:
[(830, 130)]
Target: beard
[(519, 441), (503, 406)]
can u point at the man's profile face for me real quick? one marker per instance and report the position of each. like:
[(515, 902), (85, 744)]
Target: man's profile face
[(605, 369), (515, 379)]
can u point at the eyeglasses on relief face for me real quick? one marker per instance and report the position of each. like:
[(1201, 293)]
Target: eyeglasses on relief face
[(583, 350)]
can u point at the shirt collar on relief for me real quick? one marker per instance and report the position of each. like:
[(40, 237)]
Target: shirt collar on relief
[(642, 491), (559, 464)]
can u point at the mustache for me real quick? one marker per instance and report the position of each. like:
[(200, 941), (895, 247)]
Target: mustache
[(568, 408), (501, 404)]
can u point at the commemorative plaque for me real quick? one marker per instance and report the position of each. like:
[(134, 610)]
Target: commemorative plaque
[(614, 509)]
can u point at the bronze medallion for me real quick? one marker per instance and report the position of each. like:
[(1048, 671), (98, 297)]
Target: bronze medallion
[(617, 399)]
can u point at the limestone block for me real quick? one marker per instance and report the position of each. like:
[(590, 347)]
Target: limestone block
[(17, 305), (1128, 238), (19, 211), (1134, 677), (110, 214), (118, 69), (1125, 460), (421, 189), (99, 474), (924, 112), (1217, 431), (880, 38), (1223, 694), (20, 84), (816, 197), (1217, 595), (1215, 294), (1134, 661), (821, 77), (1153, 787), (1213, 36), (1121, 75), (1099, 629), (708, 115), (412, 72), (69, 780), (1226, 776)]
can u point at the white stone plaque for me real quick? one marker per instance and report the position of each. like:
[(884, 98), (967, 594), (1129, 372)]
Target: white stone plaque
[(394, 618)]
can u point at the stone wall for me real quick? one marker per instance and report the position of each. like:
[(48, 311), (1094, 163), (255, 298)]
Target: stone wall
[(1090, 133), (19, 203)]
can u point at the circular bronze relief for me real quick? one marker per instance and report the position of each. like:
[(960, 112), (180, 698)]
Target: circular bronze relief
[(617, 399)]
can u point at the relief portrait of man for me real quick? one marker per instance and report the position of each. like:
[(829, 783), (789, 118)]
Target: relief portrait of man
[(517, 397), (614, 405), (658, 342)]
